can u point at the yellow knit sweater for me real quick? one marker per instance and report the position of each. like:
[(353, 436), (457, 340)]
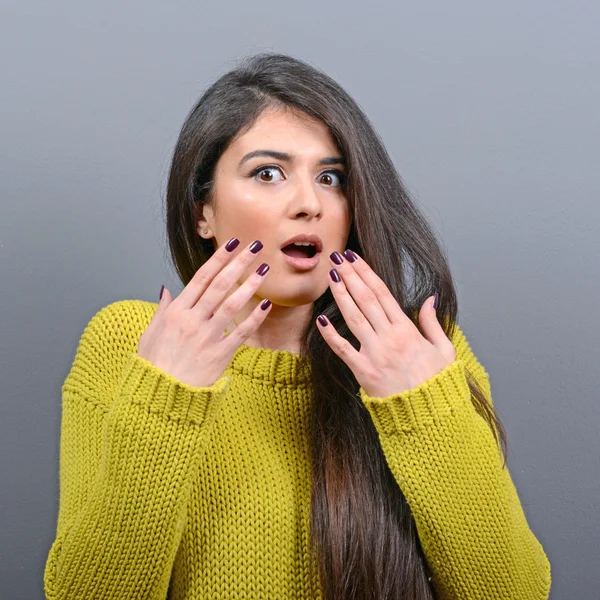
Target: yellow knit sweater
[(172, 491)]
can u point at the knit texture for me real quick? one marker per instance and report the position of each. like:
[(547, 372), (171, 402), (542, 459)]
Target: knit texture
[(173, 491)]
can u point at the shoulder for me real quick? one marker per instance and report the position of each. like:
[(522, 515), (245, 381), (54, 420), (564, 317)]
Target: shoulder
[(122, 320), (108, 338)]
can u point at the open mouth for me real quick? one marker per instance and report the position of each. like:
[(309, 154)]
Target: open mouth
[(299, 250)]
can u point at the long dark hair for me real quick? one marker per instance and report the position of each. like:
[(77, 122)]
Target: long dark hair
[(364, 542)]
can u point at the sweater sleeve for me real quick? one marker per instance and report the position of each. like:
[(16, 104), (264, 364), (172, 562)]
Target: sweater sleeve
[(444, 457), (128, 456)]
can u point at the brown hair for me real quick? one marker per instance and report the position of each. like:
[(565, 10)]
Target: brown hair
[(364, 542)]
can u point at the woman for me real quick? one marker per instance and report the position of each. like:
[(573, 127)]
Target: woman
[(316, 427)]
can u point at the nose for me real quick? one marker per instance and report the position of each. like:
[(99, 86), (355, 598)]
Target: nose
[(306, 198)]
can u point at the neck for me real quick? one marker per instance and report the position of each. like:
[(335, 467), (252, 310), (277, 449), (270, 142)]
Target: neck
[(282, 329)]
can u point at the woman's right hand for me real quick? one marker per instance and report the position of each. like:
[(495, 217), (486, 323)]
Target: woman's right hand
[(186, 338)]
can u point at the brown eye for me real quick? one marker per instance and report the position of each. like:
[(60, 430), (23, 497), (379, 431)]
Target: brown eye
[(335, 174), (265, 174)]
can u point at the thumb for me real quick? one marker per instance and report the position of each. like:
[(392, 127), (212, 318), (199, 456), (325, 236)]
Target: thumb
[(433, 330), (164, 297)]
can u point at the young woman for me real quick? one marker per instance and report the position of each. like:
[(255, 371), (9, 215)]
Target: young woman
[(302, 421)]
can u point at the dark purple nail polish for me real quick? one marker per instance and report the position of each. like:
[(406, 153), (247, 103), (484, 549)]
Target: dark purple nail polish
[(162, 289), (322, 320), (335, 275), (435, 300), (263, 269), (350, 256), (336, 257), (232, 244), (265, 304), (256, 246)]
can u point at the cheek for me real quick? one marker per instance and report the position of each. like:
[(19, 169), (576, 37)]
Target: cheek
[(249, 218), (341, 222)]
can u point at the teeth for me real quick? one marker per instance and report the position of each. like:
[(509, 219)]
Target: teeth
[(303, 244)]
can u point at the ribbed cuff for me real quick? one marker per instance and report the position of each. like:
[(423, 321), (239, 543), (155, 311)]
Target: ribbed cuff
[(161, 393), (424, 406)]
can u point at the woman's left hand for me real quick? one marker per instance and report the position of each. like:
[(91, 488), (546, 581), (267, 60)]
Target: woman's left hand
[(393, 355)]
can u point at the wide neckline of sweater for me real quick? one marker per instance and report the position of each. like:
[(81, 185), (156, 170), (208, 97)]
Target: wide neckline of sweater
[(277, 367)]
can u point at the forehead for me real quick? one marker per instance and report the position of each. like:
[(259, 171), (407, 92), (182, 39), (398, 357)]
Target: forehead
[(286, 130)]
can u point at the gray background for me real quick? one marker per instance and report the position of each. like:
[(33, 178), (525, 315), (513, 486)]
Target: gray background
[(491, 116)]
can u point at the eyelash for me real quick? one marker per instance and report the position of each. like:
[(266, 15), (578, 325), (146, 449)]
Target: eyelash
[(342, 176)]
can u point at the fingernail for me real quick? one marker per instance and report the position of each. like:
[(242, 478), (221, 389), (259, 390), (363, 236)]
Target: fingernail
[(350, 256), (162, 289), (336, 257), (263, 269), (322, 320), (232, 244), (335, 275), (435, 301), (265, 304), (256, 246)]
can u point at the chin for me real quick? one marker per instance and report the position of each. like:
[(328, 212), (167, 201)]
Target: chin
[(292, 300)]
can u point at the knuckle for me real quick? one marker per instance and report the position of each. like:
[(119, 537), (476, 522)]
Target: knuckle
[(342, 290), (344, 347), (186, 332), (369, 297), (201, 277), (357, 318), (244, 330), (170, 317), (379, 288), (372, 375), (399, 344), (248, 257), (258, 279), (184, 323), (229, 305), (221, 284)]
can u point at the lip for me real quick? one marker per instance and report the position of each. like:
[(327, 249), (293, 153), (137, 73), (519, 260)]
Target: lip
[(302, 264), (313, 238)]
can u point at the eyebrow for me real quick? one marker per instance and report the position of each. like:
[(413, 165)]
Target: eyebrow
[(328, 160)]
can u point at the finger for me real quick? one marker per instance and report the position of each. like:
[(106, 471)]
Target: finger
[(165, 298), (355, 319), (230, 342), (231, 306), (432, 329), (388, 303), (365, 298), (223, 268), (205, 274), (341, 346)]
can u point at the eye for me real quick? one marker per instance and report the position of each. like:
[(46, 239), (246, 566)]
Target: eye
[(268, 169), (341, 177), (265, 175)]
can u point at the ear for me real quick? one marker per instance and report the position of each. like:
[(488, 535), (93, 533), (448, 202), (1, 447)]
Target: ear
[(203, 217), (201, 226)]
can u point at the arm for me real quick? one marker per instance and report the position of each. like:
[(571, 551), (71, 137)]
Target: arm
[(130, 444), (445, 459)]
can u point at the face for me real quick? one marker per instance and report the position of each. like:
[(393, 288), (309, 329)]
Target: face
[(272, 199)]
